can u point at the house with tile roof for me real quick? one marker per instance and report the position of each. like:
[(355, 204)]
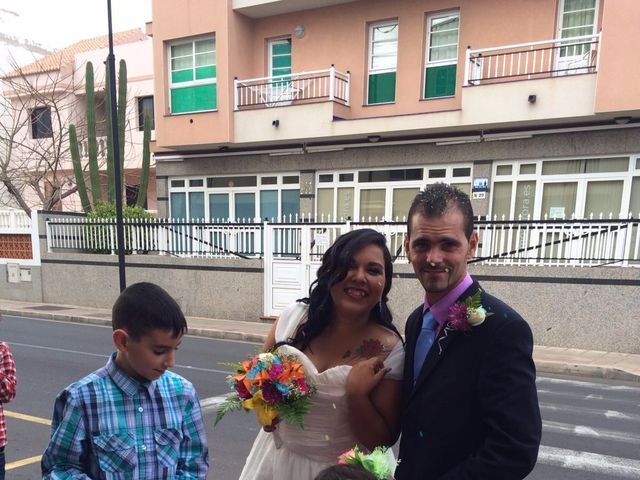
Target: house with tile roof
[(48, 95)]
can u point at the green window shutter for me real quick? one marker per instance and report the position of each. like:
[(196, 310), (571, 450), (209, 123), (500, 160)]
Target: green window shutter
[(205, 72), (440, 81), (193, 99), (179, 76), (281, 48), (382, 87)]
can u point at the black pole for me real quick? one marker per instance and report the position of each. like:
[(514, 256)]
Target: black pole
[(116, 154)]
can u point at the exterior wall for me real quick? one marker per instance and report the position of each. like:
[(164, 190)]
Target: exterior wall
[(191, 19), (617, 89)]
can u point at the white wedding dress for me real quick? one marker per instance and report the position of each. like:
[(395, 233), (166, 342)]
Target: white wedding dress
[(292, 453)]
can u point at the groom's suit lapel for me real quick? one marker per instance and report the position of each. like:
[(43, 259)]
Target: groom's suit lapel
[(445, 337)]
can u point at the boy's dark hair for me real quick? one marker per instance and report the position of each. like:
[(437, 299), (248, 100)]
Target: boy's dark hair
[(143, 307), (345, 472), (439, 198)]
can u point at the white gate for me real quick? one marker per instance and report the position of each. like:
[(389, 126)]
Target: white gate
[(292, 255)]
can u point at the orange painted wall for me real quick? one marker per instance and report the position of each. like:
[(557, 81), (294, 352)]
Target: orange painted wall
[(618, 86), (338, 35), (180, 19)]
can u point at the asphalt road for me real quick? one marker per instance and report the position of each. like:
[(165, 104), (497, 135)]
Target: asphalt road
[(591, 428)]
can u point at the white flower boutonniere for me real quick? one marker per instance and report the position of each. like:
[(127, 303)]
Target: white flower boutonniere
[(467, 313)]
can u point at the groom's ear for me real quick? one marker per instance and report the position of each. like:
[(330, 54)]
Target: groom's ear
[(407, 244)]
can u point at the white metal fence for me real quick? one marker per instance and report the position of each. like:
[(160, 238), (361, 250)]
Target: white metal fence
[(501, 242), (330, 85), (557, 57)]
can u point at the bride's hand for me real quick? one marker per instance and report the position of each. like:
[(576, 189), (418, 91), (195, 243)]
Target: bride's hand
[(365, 376), (272, 428)]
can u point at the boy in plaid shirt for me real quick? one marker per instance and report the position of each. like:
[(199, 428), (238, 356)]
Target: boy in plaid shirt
[(132, 418), (7, 393)]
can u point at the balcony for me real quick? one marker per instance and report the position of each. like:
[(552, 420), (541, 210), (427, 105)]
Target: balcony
[(533, 60), (298, 88), (267, 8)]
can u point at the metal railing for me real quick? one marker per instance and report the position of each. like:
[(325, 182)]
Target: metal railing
[(328, 85), (576, 243), (14, 221), (543, 59)]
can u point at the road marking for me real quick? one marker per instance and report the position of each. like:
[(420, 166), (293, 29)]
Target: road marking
[(24, 462), (28, 418), (589, 462), (212, 403), (589, 432), (77, 352), (580, 383), (596, 412)]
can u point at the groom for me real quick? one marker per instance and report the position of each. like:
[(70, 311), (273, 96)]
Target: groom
[(471, 407)]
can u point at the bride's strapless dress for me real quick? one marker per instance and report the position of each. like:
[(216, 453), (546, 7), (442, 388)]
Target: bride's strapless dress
[(293, 453)]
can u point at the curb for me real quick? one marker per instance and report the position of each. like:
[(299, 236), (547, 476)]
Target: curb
[(542, 366), (591, 371)]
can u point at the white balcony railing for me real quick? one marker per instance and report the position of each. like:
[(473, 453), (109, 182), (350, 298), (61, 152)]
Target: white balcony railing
[(320, 85), (14, 221), (543, 59)]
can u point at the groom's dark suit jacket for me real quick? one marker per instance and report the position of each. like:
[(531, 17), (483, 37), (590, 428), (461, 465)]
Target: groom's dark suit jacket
[(473, 412)]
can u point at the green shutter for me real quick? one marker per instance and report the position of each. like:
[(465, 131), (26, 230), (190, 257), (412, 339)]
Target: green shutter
[(193, 99), (205, 72), (382, 87), (281, 48), (440, 81), (179, 76)]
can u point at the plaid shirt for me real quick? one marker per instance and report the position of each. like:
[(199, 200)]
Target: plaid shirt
[(7, 386), (109, 425)]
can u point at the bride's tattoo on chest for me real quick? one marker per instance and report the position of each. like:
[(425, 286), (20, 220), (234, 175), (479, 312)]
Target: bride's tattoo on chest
[(368, 349)]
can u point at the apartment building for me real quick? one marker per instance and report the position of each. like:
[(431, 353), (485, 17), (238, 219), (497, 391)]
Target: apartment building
[(48, 95), (345, 108)]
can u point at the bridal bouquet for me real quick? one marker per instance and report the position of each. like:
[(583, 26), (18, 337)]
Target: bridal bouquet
[(273, 384), (379, 463)]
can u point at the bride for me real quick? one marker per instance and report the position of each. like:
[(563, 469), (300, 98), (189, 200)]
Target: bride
[(344, 337)]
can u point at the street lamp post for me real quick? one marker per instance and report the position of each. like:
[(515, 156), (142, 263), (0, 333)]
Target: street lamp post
[(116, 154)]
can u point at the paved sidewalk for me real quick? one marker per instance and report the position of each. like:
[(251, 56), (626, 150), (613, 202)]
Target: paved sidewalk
[(570, 361)]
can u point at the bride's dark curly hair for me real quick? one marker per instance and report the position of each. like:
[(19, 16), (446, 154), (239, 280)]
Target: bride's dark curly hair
[(336, 262)]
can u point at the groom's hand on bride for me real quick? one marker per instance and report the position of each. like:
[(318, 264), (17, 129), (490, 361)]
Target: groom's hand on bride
[(365, 376)]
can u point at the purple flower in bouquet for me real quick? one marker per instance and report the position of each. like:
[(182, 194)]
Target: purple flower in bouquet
[(458, 317), (271, 394), (276, 370), (242, 391)]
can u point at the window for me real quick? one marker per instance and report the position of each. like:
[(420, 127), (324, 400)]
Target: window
[(383, 59), (577, 19), (193, 76), (280, 57), (41, 123), (145, 108), (441, 55)]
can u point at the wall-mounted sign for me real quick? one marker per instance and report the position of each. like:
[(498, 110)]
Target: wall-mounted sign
[(478, 195), (322, 239), (480, 184)]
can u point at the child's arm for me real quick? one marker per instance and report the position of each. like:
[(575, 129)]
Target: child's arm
[(7, 374), (61, 459), (194, 453)]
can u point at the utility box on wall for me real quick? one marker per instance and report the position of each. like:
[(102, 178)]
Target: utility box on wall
[(13, 273)]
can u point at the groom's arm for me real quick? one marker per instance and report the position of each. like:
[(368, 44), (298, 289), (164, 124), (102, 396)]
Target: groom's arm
[(508, 403)]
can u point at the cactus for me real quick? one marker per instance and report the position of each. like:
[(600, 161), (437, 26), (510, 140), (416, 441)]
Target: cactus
[(111, 195), (92, 143), (77, 169), (146, 156), (122, 116)]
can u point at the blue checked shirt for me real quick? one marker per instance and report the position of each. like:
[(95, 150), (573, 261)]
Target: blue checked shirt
[(111, 426)]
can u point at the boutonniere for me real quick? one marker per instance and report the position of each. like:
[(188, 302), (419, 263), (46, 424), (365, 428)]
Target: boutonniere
[(467, 313)]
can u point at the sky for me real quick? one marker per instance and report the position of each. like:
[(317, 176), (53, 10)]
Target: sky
[(58, 23)]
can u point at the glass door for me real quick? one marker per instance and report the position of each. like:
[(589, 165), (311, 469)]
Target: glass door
[(577, 18)]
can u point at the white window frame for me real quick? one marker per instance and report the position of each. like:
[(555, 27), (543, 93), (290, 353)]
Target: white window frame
[(561, 14), (194, 82), (370, 69)]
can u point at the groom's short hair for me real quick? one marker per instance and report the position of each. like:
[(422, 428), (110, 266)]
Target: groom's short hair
[(439, 198)]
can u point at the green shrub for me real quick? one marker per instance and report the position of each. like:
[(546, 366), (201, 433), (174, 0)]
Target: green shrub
[(99, 235)]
